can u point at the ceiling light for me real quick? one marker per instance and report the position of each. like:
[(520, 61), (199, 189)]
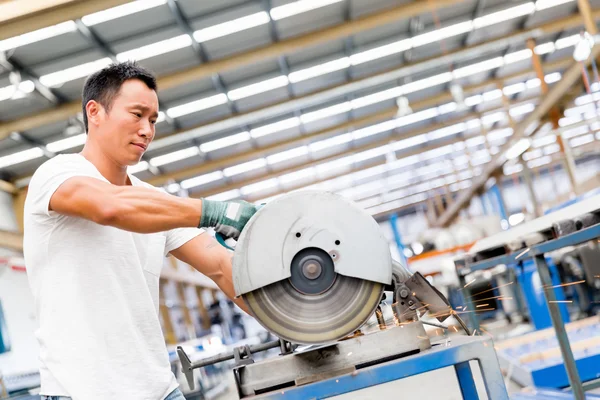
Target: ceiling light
[(68, 143), (448, 107), (581, 140), (256, 88), (475, 141), (410, 142), (70, 74), (517, 56), (545, 48), (522, 109), (492, 95), (504, 15), (427, 83), (225, 142), (120, 11), (530, 155), (259, 186), (8, 92), (377, 97), (326, 112), (446, 131), (372, 153), (509, 169), (139, 167), (544, 141), (474, 100), (492, 118), (544, 4), (161, 117), (499, 134), (36, 36), (476, 68), (518, 148), (287, 155), (298, 7), (21, 156), (245, 167), (320, 69), (334, 141), (334, 165), (514, 89), (197, 105), (174, 156), (417, 117), (551, 149), (442, 33), (374, 129), (567, 41), (233, 26), (225, 196), (173, 187), (297, 175), (538, 162), (381, 51), (275, 127), (201, 180), (156, 49)]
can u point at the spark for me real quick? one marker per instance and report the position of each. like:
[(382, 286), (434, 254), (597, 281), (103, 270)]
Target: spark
[(522, 253), (470, 282), (565, 284), (422, 337), (474, 332), (483, 309), (560, 301), (490, 298), (497, 287), (459, 307), (482, 305), (455, 329)]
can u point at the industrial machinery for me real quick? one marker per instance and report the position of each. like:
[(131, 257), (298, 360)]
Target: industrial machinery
[(313, 268)]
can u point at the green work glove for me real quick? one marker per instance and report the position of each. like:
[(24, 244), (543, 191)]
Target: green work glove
[(227, 217)]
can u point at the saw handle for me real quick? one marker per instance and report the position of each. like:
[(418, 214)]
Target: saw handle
[(221, 239)]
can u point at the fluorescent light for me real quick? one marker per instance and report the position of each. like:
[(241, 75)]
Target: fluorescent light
[(335, 164), (173, 187), (320, 69), (517, 56), (67, 143), (490, 119), (9, 92), (533, 83), (446, 131), (553, 77), (492, 95), (417, 117), (447, 108), (372, 153), (475, 141), (545, 48), (374, 129), (298, 7), (504, 15), (326, 112), (530, 155), (377, 97), (70, 74), (476, 68), (538, 162), (275, 127), (516, 219), (581, 140), (544, 141), (139, 167), (334, 141), (174, 156), (201, 180), (565, 121), (551, 149), (567, 41), (197, 105), (499, 134), (259, 87), (156, 49), (120, 11), (544, 4), (37, 35), (410, 142), (161, 117), (233, 26), (442, 33), (522, 109), (578, 131), (427, 83), (21, 156), (518, 148), (259, 186), (297, 175), (287, 155), (245, 167), (514, 89), (381, 51), (225, 142), (474, 100), (225, 196)]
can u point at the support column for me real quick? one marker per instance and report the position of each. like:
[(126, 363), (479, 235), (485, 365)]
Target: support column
[(586, 12), (528, 178), (398, 239)]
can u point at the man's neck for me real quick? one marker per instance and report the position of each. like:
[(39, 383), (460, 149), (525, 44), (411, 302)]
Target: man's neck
[(114, 173)]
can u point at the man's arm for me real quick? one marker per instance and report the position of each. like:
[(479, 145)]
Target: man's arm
[(136, 209), (207, 256)]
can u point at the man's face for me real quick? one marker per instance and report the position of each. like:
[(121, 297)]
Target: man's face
[(128, 127)]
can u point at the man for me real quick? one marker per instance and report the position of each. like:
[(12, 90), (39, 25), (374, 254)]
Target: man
[(94, 243)]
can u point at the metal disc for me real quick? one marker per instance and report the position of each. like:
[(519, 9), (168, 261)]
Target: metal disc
[(312, 271), (315, 318)]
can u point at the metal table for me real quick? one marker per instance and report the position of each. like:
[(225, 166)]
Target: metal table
[(537, 252)]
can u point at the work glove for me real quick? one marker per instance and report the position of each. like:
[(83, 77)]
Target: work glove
[(227, 217)]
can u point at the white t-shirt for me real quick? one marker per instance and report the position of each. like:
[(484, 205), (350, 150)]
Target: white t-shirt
[(96, 291)]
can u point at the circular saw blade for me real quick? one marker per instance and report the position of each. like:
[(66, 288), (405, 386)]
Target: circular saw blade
[(314, 319)]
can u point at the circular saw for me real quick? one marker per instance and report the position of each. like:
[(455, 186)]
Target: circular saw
[(312, 267)]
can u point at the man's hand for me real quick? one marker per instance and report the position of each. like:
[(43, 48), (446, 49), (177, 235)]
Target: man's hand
[(228, 218)]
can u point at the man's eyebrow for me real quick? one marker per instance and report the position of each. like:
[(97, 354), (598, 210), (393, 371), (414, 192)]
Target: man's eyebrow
[(144, 108)]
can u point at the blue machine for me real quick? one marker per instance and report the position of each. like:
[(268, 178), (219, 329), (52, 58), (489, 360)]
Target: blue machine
[(533, 291), (4, 342)]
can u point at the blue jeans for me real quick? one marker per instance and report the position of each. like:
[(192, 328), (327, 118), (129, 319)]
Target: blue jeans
[(174, 395)]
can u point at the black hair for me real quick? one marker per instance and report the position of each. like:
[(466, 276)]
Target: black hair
[(104, 85)]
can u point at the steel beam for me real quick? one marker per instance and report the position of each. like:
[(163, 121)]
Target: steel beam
[(293, 45)]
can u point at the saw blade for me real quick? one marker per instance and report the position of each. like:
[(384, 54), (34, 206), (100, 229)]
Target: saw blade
[(313, 319)]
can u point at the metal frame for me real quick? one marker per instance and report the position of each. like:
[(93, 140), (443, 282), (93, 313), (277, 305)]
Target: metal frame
[(457, 353), (537, 252)]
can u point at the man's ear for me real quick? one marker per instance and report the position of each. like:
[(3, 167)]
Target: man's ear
[(94, 112)]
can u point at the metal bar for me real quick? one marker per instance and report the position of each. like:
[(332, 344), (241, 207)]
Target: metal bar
[(466, 381), (586, 12), (51, 95), (530, 189), (501, 205), (489, 263), (398, 238), (256, 348), (572, 239), (559, 327)]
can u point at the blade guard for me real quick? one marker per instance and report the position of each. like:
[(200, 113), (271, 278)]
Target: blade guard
[(280, 229)]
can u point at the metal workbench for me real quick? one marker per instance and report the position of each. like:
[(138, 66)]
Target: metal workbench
[(537, 253)]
